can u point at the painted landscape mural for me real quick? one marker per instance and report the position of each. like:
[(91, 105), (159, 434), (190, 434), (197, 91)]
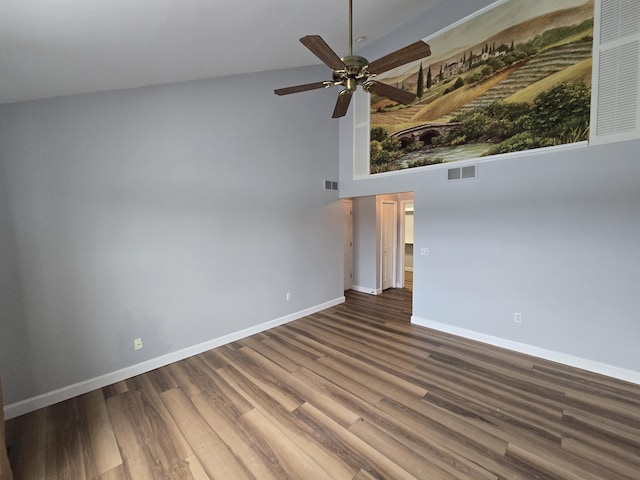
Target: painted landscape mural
[(514, 77)]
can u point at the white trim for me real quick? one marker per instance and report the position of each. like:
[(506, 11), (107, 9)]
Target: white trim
[(394, 246), (464, 20), (80, 388), (370, 291), (566, 359), (402, 246), (361, 136), (480, 160), (348, 249)]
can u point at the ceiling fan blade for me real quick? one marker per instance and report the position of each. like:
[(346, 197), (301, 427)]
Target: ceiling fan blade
[(300, 88), (396, 94), (342, 105), (410, 53), (320, 49)]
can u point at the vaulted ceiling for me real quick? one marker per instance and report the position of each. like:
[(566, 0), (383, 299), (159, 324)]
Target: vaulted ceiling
[(53, 48)]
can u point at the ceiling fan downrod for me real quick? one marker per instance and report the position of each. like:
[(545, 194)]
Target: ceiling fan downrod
[(350, 27)]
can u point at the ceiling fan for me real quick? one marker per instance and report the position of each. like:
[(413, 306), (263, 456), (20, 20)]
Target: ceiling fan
[(352, 70)]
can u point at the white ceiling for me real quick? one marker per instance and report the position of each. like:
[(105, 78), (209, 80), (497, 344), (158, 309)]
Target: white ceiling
[(60, 47)]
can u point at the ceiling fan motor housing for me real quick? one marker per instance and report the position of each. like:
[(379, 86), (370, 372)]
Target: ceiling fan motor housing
[(354, 73)]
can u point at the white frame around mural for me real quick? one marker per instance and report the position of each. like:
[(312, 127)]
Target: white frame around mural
[(443, 37)]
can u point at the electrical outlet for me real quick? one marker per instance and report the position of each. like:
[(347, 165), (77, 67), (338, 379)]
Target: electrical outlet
[(517, 317), (137, 344), (288, 296)]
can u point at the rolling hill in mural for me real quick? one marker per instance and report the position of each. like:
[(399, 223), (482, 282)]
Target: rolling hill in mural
[(515, 77)]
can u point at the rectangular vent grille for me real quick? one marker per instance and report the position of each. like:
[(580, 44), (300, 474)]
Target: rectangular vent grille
[(619, 18), (453, 174), (469, 172), (462, 173), (330, 185), (615, 112), (618, 89)]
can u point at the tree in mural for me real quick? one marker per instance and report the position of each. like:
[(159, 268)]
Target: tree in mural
[(420, 87)]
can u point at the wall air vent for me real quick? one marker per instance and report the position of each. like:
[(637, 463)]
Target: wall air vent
[(330, 185), (468, 172), (615, 110), (461, 173)]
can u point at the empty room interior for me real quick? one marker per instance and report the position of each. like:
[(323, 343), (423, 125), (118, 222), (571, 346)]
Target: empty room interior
[(203, 275)]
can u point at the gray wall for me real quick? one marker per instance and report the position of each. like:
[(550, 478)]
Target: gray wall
[(550, 234), (14, 342), (554, 237), (176, 213)]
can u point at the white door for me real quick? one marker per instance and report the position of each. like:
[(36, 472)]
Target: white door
[(347, 229), (388, 232)]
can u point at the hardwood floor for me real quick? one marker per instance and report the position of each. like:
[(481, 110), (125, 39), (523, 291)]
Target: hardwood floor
[(408, 279), (353, 392)]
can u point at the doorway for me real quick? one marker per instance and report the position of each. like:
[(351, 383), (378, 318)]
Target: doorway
[(379, 241), (406, 226), (388, 243)]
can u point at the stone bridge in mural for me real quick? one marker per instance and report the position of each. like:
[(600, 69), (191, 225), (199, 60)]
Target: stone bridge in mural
[(424, 133)]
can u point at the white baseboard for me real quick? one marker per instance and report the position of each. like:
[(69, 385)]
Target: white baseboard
[(571, 360), (80, 388), (370, 291)]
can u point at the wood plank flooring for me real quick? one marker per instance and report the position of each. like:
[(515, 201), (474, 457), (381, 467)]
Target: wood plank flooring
[(408, 279), (353, 392)]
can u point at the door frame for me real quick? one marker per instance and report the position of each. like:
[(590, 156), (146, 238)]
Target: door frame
[(402, 240), (348, 250), (394, 247)]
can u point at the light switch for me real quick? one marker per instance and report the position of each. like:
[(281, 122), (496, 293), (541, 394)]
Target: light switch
[(424, 251)]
